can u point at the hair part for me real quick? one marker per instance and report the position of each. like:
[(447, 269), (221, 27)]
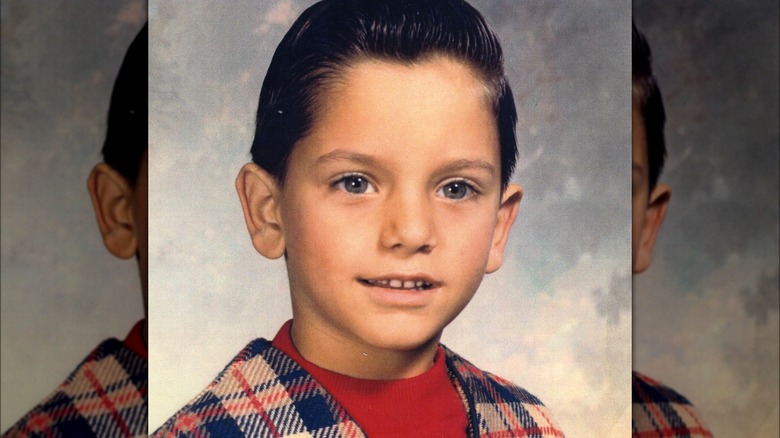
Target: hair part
[(647, 94), (333, 35)]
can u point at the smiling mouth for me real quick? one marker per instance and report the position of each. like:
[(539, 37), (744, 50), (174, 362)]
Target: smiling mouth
[(399, 284)]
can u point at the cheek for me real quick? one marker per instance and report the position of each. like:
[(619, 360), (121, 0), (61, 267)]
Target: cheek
[(318, 235), (471, 234)]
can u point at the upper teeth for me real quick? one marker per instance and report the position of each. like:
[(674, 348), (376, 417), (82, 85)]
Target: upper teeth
[(396, 283)]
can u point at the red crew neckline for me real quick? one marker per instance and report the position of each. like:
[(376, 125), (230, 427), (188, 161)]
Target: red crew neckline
[(423, 405)]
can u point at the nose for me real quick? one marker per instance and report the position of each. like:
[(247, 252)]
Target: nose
[(408, 223)]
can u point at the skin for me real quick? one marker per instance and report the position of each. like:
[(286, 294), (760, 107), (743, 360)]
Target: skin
[(648, 207), (397, 182), (121, 213)]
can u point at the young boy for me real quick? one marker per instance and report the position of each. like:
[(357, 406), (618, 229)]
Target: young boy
[(382, 156), (658, 411), (107, 394)]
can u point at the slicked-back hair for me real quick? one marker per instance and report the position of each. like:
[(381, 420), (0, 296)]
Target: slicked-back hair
[(645, 90), (127, 136), (333, 35)]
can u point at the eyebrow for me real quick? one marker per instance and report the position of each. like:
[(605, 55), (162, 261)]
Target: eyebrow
[(465, 163), (460, 164), (340, 155)]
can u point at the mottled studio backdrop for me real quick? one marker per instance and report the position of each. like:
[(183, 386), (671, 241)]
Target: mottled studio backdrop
[(706, 313), (555, 319), (62, 292)]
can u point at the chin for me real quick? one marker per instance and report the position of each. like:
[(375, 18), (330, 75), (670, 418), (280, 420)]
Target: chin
[(405, 337)]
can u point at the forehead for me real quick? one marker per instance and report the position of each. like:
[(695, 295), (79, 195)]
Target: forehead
[(438, 77), (438, 103)]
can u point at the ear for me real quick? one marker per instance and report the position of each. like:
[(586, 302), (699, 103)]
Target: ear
[(259, 195), (507, 212), (112, 200), (654, 217)]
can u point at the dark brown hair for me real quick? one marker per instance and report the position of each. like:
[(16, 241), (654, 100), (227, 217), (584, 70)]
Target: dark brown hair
[(333, 34), (645, 90)]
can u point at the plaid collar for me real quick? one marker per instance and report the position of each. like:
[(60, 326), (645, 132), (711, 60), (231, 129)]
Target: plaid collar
[(660, 411), (106, 396), (263, 392)]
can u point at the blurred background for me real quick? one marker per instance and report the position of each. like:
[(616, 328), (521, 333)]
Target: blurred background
[(706, 312), (555, 319), (62, 292)]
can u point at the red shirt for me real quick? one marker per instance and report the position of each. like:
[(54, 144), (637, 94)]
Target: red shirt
[(135, 341), (422, 406)]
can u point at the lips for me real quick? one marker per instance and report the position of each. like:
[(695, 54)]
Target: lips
[(400, 283)]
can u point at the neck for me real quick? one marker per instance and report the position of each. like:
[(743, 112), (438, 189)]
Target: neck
[(337, 353)]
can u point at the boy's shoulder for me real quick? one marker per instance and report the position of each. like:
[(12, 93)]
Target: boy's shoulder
[(104, 396), (483, 383), (262, 391), (497, 405), (660, 410)]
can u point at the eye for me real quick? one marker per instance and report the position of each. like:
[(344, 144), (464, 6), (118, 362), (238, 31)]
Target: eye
[(456, 190), (355, 184)]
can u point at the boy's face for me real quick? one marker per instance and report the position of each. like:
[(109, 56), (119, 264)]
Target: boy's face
[(392, 210), (648, 209)]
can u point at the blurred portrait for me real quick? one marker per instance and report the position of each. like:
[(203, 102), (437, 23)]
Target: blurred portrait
[(74, 182), (706, 308)]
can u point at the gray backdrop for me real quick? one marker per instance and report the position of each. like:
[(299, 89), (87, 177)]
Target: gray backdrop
[(706, 313), (62, 292), (555, 319)]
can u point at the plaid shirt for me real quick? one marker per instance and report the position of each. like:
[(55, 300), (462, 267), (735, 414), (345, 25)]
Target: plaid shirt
[(104, 397), (660, 411), (263, 392)]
